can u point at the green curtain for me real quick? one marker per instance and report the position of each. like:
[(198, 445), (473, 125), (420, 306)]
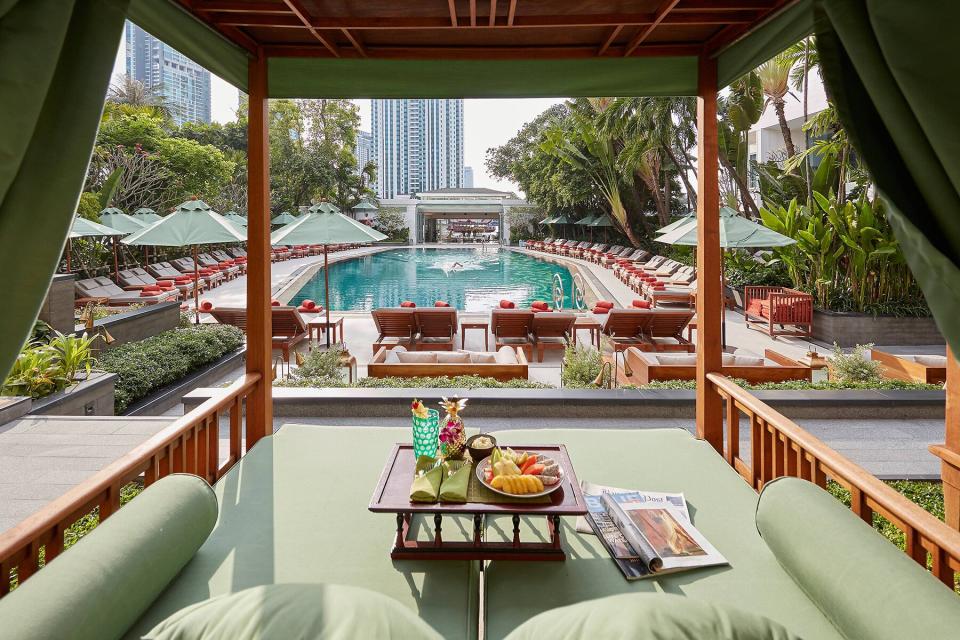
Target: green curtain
[(892, 69), (56, 57)]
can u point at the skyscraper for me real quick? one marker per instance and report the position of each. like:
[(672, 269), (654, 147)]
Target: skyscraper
[(364, 150), (184, 84), (418, 145), (468, 177)]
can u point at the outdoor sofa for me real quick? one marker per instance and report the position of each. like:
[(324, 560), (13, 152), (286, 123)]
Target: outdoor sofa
[(294, 511), (504, 364), (928, 369), (742, 364)]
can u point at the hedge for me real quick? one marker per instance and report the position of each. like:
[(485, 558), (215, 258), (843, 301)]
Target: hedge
[(145, 366)]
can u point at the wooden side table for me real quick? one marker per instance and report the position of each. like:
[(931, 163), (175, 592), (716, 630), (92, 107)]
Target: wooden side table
[(587, 324), (349, 362), (484, 325), (319, 324)]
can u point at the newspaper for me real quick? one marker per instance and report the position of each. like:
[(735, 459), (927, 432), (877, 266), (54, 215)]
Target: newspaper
[(592, 496)]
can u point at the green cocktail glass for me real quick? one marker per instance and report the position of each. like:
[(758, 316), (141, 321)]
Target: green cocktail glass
[(426, 432)]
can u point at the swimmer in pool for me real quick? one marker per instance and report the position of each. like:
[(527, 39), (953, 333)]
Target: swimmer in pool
[(456, 265)]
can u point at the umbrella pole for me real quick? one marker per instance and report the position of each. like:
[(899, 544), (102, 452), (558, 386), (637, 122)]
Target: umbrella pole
[(116, 263), (68, 255), (723, 299), (196, 288), (326, 293)]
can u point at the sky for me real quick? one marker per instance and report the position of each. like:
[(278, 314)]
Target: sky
[(487, 123)]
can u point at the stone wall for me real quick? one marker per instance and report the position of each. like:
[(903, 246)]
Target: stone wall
[(851, 329), (91, 397)]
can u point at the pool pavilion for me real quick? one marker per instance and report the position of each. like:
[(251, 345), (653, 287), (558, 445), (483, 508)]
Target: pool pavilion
[(291, 507)]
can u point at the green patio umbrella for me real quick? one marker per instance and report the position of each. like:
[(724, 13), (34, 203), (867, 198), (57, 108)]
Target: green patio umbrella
[(116, 219), (602, 221), (547, 220), (736, 232), (191, 224), (325, 228), (327, 207), (364, 206), (676, 224), (146, 215), (284, 218), (83, 228), (235, 218), (585, 222)]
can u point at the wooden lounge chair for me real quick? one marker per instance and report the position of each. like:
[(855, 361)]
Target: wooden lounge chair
[(137, 279), (103, 290), (211, 277), (224, 257), (437, 328), (505, 364), (288, 330), (230, 271), (665, 332), (648, 367), (926, 369), (627, 328), (551, 331), (395, 327), (511, 327)]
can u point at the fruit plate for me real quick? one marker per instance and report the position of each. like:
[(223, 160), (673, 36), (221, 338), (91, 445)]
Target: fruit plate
[(482, 466)]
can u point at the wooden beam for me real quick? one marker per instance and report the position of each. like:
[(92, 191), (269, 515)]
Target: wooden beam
[(355, 42), (610, 39), (709, 295), (233, 34), (493, 12), (645, 33), (724, 5), (511, 12), (473, 13), (259, 320), (300, 11), (482, 53), (452, 6), (949, 451), (730, 34)]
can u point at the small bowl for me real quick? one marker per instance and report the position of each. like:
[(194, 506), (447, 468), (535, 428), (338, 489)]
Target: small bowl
[(479, 454)]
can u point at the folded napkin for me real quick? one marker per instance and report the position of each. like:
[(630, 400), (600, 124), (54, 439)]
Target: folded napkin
[(426, 481), (456, 477)]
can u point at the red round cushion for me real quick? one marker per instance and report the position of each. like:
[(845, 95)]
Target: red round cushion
[(274, 303), (659, 287), (441, 303), (641, 304), (507, 304), (541, 309), (604, 303), (152, 287), (306, 309), (408, 304), (206, 305), (601, 310), (539, 304), (308, 304)]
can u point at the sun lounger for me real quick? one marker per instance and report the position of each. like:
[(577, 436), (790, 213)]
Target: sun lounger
[(927, 369), (210, 277), (627, 327), (665, 332), (230, 271), (742, 364), (437, 328), (223, 257), (511, 327), (551, 331), (504, 364), (396, 327), (137, 279), (288, 326), (103, 290), (237, 252)]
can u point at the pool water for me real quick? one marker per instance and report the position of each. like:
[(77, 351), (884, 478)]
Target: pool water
[(468, 279)]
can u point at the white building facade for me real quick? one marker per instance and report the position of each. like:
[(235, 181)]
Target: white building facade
[(363, 150), (417, 145)]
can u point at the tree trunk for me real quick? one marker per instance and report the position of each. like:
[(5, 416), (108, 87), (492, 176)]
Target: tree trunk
[(682, 169), (749, 205), (778, 105), (806, 114)]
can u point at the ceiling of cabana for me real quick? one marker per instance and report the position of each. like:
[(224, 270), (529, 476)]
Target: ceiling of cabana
[(484, 29)]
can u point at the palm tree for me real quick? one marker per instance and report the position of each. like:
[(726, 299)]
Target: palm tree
[(131, 92), (775, 80)]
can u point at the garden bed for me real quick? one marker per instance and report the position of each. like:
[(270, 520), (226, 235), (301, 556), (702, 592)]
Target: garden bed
[(93, 396), (849, 329)]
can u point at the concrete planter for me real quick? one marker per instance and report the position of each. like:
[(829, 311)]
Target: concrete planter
[(171, 395), (91, 397), (138, 324), (57, 309), (851, 329)]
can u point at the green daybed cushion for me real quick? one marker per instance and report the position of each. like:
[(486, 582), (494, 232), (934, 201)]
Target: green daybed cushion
[(864, 584), (295, 510), (722, 506), (649, 616), (289, 611), (99, 587)]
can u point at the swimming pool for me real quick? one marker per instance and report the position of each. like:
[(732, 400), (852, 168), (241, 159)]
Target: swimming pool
[(469, 279)]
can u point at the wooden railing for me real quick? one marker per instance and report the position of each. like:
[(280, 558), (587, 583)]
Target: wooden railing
[(190, 445), (780, 447)]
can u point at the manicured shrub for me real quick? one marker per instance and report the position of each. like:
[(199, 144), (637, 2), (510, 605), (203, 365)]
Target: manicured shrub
[(145, 366)]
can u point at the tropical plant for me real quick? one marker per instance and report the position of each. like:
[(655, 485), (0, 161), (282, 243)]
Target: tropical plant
[(128, 91), (581, 366), (45, 368), (854, 367), (320, 363), (774, 75), (74, 353), (392, 223)]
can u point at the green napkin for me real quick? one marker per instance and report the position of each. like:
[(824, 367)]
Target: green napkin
[(426, 481), (456, 478)]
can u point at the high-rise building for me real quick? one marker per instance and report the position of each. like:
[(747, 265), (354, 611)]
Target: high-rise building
[(418, 145), (184, 84), (468, 177), (364, 150)]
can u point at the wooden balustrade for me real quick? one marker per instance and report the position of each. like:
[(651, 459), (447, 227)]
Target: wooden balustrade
[(190, 445), (780, 447)]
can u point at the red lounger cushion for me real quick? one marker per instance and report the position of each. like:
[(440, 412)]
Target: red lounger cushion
[(539, 304), (206, 305), (308, 304), (507, 304), (303, 309), (149, 294), (408, 304), (659, 287), (758, 308), (601, 310), (604, 303), (641, 304), (274, 303), (441, 303)]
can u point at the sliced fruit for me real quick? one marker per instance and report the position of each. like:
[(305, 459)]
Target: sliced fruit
[(534, 469)]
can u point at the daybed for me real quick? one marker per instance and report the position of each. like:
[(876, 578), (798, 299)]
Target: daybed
[(294, 510), (743, 364), (505, 364), (927, 369), (778, 311)]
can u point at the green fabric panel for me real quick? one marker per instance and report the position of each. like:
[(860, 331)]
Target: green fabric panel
[(294, 510), (649, 616), (899, 114), (864, 584), (721, 504), (57, 60), (99, 587), (789, 26), (378, 78), (314, 611), (167, 20)]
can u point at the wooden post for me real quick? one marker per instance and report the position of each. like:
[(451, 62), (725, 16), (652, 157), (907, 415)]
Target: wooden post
[(259, 320), (949, 451), (709, 295)]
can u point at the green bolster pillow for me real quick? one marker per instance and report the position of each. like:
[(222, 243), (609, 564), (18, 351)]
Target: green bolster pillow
[(99, 587), (862, 583)]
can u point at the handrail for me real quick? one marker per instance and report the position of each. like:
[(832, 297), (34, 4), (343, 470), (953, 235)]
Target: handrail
[(577, 287), (557, 292), (189, 445), (781, 447)]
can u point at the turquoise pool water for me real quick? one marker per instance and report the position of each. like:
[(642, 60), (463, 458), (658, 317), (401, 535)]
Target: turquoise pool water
[(469, 279)]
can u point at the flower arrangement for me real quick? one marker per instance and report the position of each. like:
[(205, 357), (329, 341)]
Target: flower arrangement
[(418, 409), (453, 436)]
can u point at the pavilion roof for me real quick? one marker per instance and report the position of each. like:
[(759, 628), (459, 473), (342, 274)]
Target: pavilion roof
[(465, 48)]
